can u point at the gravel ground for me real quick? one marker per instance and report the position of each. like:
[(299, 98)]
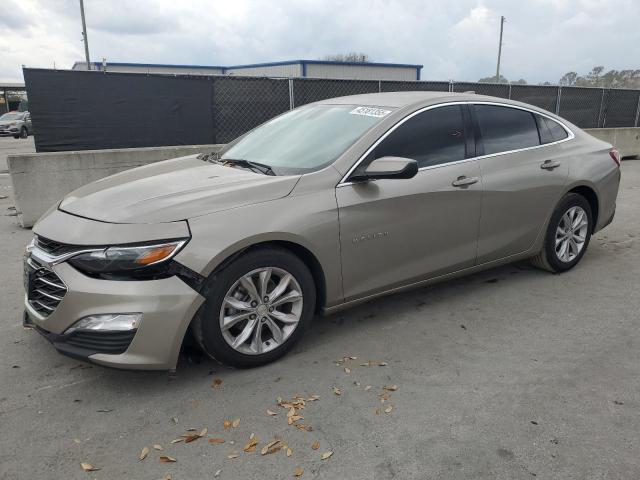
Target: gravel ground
[(509, 374)]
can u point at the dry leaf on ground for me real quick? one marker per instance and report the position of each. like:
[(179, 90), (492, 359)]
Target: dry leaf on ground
[(251, 445), (390, 388), (227, 424), (143, 453), (316, 445), (337, 391), (347, 370), (216, 383), (232, 455), (273, 414), (313, 398), (272, 447), (388, 409), (87, 467), (326, 455), (368, 387), (299, 471), (289, 452), (217, 473), (301, 426), (157, 447), (216, 440), (167, 477), (235, 423), (177, 440), (167, 459)]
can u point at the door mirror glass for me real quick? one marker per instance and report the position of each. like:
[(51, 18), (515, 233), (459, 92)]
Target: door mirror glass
[(391, 167)]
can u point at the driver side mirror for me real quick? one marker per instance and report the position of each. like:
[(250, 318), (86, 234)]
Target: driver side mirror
[(391, 168)]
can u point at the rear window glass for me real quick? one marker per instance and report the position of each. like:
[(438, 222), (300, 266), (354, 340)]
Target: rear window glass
[(550, 130), (505, 128)]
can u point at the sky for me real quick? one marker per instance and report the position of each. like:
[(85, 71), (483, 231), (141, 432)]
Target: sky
[(453, 39)]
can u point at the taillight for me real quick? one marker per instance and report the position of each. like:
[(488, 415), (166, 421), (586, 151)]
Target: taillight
[(615, 155)]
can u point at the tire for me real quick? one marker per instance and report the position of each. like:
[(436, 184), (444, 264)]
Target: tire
[(24, 133), (231, 280), (559, 259)]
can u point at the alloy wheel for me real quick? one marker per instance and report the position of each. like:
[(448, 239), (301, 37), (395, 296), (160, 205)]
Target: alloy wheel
[(571, 234), (261, 310)]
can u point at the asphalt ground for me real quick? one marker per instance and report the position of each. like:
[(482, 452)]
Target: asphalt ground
[(512, 373)]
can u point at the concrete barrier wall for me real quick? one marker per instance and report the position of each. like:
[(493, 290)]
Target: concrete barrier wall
[(42, 179), (626, 140)]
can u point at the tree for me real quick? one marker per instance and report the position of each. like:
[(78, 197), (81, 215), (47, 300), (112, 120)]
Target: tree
[(502, 79), (568, 79), (596, 78), (348, 57), (492, 79)]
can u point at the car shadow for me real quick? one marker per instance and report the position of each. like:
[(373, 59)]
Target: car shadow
[(193, 366)]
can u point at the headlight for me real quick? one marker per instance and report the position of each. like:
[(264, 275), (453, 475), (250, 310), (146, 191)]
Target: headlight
[(123, 259)]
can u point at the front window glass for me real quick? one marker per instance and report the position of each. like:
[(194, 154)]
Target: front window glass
[(431, 138), (306, 139)]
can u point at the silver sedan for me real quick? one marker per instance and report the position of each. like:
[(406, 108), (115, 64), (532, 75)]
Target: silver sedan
[(325, 206)]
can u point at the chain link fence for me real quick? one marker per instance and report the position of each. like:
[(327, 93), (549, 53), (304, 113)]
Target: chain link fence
[(205, 109), (247, 102)]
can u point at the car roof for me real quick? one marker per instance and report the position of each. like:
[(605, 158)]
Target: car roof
[(415, 98)]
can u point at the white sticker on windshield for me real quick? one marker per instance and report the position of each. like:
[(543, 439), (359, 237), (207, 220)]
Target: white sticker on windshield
[(370, 112)]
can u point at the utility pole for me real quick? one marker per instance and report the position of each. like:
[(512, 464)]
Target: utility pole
[(502, 20), (85, 39)]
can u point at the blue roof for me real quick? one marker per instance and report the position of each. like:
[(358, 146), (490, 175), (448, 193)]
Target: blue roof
[(326, 62), (254, 65)]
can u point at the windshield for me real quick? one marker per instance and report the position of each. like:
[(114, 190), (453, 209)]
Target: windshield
[(11, 116), (305, 139)]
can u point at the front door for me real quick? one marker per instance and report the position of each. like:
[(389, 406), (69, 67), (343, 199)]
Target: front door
[(396, 232)]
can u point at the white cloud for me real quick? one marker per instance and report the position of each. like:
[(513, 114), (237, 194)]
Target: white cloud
[(454, 40)]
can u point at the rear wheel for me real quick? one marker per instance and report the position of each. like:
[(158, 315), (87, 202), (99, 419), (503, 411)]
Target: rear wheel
[(256, 309), (567, 236)]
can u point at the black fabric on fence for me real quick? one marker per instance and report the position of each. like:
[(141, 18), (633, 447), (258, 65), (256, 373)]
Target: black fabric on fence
[(400, 86), (621, 108), (539, 95), (492, 89), (308, 90), (581, 106), (79, 110), (242, 103), (74, 110)]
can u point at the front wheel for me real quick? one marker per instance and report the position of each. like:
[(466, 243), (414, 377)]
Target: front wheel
[(24, 133), (256, 308), (567, 236)]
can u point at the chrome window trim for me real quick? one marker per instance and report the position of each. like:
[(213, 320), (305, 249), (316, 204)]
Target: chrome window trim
[(570, 136)]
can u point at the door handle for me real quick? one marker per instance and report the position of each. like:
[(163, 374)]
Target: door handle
[(464, 181), (549, 165)]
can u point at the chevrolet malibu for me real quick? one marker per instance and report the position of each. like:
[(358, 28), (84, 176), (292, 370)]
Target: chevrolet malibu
[(325, 206)]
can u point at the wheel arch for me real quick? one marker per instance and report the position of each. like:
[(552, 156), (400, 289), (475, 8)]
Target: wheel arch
[(300, 250), (591, 196)]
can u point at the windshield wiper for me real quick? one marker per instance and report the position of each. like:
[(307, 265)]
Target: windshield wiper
[(215, 157)]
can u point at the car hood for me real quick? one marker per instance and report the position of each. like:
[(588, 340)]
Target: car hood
[(172, 190), (4, 123)]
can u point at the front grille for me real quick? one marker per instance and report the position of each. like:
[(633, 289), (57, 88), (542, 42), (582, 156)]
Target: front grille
[(45, 289), (55, 248), (102, 342)]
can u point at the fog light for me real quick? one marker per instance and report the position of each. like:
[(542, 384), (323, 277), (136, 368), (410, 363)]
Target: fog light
[(108, 322)]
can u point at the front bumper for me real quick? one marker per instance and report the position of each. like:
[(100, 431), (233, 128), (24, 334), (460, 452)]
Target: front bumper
[(9, 132), (167, 306)]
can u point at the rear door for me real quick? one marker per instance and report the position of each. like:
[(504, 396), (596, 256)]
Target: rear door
[(394, 232), (522, 178)]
